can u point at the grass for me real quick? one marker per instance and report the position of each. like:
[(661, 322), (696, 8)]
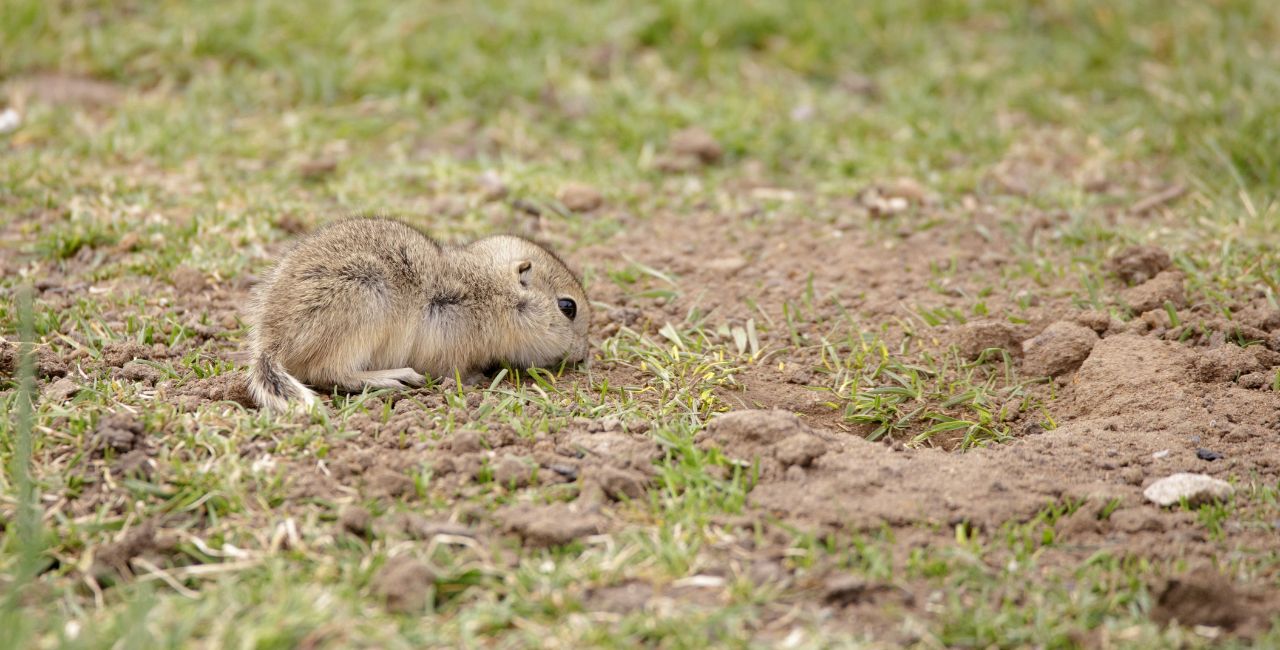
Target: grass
[(206, 157)]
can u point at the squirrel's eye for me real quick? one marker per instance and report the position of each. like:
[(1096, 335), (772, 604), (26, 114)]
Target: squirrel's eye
[(568, 307)]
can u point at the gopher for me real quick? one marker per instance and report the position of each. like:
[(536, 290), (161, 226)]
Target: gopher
[(374, 303)]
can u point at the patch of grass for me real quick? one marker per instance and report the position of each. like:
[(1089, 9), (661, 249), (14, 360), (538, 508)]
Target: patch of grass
[(901, 393)]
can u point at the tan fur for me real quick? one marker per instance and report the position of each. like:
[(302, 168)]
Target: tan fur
[(373, 303)]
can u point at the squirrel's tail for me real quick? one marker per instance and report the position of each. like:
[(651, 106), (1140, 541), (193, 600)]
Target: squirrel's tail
[(274, 389)]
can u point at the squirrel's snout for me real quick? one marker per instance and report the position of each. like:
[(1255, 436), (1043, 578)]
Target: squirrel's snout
[(582, 356), (578, 356)]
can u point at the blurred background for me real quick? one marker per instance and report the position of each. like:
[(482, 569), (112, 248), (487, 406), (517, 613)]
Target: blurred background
[(819, 90)]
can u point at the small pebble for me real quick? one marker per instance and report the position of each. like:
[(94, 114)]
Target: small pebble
[(10, 120), (568, 471), (1206, 454), (580, 197)]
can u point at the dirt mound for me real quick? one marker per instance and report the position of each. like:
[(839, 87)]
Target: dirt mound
[(117, 355), (48, 364), (580, 197), (1205, 597), (1059, 349), (695, 141), (865, 485), (356, 520), (231, 387), (1164, 289), (1230, 362), (777, 439), (116, 559), (974, 338), (404, 584), (118, 432), (1137, 264), (1132, 398)]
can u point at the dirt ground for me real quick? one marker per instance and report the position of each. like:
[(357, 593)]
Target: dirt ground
[(1133, 401)]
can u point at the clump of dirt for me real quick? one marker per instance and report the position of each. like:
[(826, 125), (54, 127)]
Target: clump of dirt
[(1260, 316), (698, 143), (513, 471), (117, 355), (1229, 362), (778, 439), (142, 372), (48, 364), (1137, 264), (61, 390), (137, 463), (317, 169), (1059, 349), (1166, 287), (1205, 597), (613, 483), (820, 495), (118, 432), (625, 598), (188, 280), (612, 446), (229, 387), (799, 450), (580, 197), (1136, 520), (466, 442), (389, 483), (1081, 523), (1099, 321), (688, 150), (975, 337), (551, 525), (356, 520), (404, 584), (114, 559)]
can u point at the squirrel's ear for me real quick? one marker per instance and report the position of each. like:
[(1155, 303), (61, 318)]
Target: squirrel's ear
[(522, 269)]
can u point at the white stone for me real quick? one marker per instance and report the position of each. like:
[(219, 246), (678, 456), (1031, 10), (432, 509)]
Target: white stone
[(1196, 488), (10, 120)]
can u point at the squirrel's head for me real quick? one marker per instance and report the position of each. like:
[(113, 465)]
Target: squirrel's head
[(549, 307)]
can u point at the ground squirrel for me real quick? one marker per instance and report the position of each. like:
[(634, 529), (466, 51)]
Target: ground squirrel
[(374, 303)]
